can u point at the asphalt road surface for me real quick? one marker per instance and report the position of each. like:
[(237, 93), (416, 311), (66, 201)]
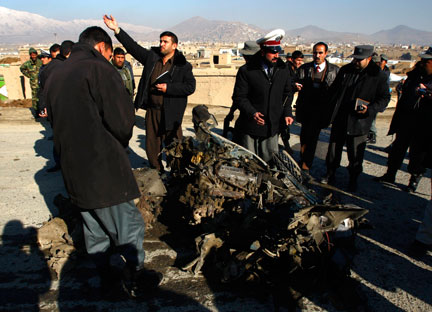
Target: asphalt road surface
[(389, 279)]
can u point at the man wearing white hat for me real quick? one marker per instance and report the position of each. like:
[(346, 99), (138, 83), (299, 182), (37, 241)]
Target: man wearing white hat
[(260, 92)]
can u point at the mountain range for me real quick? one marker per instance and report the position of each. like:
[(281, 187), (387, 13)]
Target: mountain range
[(20, 27)]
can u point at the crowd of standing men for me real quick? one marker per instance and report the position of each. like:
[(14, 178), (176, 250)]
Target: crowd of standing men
[(89, 103)]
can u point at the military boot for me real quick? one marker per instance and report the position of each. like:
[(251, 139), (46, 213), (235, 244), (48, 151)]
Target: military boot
[(413, 183)]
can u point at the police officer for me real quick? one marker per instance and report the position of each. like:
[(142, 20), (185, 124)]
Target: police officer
[(30, 69), (260, 92)]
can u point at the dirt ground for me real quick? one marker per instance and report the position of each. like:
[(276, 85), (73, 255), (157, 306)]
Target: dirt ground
[(17, 103), (388, 278)]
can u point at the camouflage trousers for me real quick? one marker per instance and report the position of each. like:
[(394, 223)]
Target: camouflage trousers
[(35, 99)]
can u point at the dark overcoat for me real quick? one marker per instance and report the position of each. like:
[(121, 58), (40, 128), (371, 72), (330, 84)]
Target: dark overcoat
[(255, 92), (369, 85), (181, 85), (44, 73), (92, 117), (407, 108), (311, 104)]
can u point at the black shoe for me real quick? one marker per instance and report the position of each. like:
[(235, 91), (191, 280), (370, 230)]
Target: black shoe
[(387, 178), (329, 178), (54, 169), (371, 138), (413, 183), (142, 282)]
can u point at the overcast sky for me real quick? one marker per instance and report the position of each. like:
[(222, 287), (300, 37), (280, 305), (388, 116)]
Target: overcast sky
[(366, 16)]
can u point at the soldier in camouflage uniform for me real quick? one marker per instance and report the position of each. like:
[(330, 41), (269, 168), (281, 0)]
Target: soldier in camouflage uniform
[(30, 69), (125, 71)]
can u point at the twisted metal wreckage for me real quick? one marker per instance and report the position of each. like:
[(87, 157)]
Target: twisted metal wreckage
[(257, 223), (262, 222)]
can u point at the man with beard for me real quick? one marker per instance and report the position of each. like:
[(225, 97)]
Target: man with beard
[(166, 82), (315, 79), (119, 63), (260, 92), (358, 93)]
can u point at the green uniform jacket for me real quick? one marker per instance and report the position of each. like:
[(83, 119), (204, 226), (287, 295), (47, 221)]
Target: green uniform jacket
[(30, 69), (127, 78)]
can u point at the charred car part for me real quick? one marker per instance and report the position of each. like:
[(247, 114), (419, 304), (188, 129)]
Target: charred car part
[(258, 223)]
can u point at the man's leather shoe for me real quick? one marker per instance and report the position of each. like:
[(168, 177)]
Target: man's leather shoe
[(413, 183), (328, 178)]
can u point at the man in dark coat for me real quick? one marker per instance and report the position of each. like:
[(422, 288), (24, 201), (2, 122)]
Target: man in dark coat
[(54, 65), (165, 99), (358, 93), (250, 48), (315, 79), (92, 118), (260, 92), (65, 51), (411, 123), (293, 63)]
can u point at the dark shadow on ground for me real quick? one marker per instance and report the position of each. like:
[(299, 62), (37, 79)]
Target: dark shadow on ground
[(391, 211), (140, 122), (24, 274), (50, 183), (80, 290), (136, 160)]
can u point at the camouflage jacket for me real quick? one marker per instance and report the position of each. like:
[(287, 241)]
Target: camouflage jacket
[(30, 69), (127, 78)]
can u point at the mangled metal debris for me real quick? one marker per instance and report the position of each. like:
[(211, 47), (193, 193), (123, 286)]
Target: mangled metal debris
[(260, 223)]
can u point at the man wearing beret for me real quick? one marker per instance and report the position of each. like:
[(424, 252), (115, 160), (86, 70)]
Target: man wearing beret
[(358, 93), (261, 90), (30, 69)]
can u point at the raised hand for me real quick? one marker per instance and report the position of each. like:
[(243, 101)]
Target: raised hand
[(110, 22)]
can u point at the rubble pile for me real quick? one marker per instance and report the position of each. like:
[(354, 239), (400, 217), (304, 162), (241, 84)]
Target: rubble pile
[(60, 238), (152, 194), (258, 224)]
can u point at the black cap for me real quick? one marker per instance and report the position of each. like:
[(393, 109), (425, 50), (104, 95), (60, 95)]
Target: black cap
[(427, 55), (362, 52)]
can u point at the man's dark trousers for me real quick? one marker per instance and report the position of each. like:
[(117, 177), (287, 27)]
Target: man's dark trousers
[(309, 136), (156, 135), (356, 146), (398, 151)]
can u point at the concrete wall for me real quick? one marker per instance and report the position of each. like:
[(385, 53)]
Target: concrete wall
[(17, 85), (213, 86)]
